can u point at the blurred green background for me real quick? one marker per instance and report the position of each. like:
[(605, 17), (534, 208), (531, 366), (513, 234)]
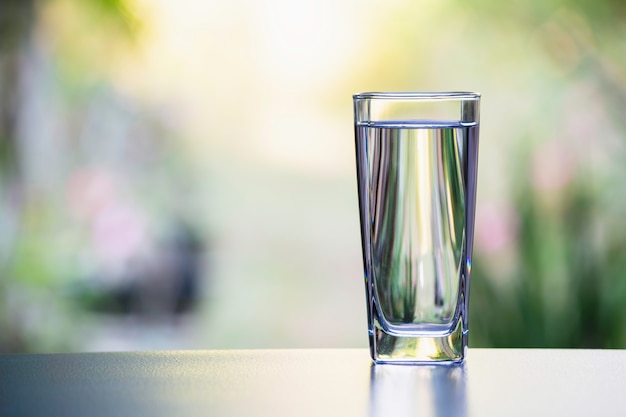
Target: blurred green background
[(181, 174)]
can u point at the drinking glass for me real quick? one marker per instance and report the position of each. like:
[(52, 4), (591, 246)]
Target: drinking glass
[(417, 157)]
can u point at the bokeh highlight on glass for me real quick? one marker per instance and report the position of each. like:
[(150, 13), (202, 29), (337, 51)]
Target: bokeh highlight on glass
[(416, 170)]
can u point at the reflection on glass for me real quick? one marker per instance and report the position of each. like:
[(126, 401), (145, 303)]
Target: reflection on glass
[(428, 391)]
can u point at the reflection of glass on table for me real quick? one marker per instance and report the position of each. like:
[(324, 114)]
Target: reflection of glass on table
[(426, 391)]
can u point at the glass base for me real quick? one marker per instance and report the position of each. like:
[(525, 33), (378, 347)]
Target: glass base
[(387, 348)]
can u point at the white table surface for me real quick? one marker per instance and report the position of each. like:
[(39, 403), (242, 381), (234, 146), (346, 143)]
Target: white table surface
[(332, 382)]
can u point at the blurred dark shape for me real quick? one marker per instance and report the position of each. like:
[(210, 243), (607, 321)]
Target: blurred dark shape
[(16, 21), (167, 283), (187, 248)]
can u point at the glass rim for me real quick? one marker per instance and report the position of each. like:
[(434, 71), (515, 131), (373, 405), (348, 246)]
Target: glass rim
[(418, 95)]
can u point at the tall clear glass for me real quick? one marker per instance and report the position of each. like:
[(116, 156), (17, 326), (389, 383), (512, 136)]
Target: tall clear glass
[(417, 157)]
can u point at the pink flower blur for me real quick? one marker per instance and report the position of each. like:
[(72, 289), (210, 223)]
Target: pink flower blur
[(496, 227), (552, 167)]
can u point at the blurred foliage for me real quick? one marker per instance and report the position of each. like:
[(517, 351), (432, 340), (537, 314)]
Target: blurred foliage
[(87, 39), (555, 278), (568, 286), (566, 282), (15, 19), (46, 244)]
